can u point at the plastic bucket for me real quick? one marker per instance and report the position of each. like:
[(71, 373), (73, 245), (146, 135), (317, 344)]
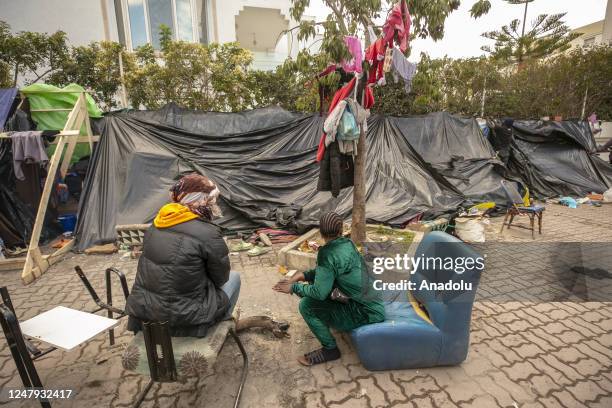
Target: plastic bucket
[(68, 222)]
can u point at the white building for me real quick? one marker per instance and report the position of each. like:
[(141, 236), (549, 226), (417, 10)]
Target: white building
[(256, 24), (599, 32)]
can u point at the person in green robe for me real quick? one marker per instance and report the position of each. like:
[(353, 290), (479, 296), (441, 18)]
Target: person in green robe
[(337, 293)]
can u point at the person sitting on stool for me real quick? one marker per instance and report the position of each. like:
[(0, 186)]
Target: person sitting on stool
[(183, 274)]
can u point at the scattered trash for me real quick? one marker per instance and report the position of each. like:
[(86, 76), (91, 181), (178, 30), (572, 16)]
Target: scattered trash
[(582, 200), (15, 252), (374, 237), (309, 246), (607, 196), (595, 197), (568, 202), (471, 229), (282, 269)]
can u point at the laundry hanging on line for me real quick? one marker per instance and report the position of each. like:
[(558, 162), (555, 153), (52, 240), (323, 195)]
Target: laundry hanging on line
[(28, 147)]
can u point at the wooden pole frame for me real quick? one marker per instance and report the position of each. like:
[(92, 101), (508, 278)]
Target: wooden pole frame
[(35, 262)]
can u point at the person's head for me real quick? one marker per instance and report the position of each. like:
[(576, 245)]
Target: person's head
[(198, 193), (330, 226)]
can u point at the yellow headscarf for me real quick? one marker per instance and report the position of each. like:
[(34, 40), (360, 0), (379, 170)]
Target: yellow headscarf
[(173, 214)]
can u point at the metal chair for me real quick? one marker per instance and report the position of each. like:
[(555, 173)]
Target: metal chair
[(20, 347), (516, 207), (61, 328), (174, 359)]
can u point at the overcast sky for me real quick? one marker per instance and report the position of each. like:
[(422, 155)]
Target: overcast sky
[(462, 33)]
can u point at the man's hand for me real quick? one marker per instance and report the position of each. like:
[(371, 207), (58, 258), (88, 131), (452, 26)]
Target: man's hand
[(283, 286), (297, 277)]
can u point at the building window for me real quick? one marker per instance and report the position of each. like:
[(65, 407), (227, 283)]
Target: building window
[(144, 18), (589, 42)]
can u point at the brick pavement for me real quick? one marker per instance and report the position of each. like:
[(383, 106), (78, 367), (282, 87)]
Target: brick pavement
[(526, 350)]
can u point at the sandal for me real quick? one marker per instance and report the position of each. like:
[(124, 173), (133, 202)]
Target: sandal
[(241, 246), (258, 250), (319, 356)]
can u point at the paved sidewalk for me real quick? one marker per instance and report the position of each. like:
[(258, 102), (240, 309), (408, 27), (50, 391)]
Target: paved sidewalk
[(523, 353)]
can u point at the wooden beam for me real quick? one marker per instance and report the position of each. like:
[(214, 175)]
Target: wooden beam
[(57, 255), (87, 124), (52, 110), (82, 139), (35, 264), (10, 264), (76, 124)]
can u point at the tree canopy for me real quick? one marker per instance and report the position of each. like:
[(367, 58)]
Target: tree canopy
[(548, 34)]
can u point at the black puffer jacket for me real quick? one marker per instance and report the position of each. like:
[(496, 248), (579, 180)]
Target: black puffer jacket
[(179, 276)]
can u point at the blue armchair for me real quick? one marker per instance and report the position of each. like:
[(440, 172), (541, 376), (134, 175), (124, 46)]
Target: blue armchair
[(424, 327)]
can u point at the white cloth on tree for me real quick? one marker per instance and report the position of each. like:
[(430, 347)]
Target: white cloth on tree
[(402, 68)]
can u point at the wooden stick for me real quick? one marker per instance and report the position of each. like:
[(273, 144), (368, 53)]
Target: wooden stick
[(52, 110), (72, 143), (35, 265), (87, 124)]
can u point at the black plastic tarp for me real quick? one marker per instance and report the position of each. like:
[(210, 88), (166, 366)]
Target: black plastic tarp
[(457, 149), (552, 158), (16, 216), (263, 162)]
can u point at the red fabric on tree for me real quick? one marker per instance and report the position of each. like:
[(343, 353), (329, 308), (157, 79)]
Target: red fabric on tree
[(343, 93), (399, 20), (375, 55)]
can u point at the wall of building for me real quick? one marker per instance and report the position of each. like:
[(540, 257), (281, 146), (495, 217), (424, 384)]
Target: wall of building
[(82, 20), (607, 28), (591, 33)]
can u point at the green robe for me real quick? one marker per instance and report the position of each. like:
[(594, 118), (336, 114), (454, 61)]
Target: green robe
[(340, 265)]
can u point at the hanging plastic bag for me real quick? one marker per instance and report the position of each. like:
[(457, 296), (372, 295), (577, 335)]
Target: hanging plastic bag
[(348, 129)]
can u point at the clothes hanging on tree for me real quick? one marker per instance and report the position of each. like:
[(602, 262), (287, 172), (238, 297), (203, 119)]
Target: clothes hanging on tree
[(343, 93), (398, 23), (325, 90), (375, 56), (27, 147), (336, 171), (354, 47), (333, 121), (402, 68)]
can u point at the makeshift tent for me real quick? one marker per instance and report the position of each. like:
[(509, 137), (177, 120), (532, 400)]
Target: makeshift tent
[(264, 163), (457, 149), (7, 96), (552, 158), (50, 107)]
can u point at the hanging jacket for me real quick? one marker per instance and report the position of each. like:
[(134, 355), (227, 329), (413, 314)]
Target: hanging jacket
[(179, 278), (336, 171)]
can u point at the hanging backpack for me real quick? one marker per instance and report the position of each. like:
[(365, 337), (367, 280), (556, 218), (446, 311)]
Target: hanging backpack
[(348, 129)]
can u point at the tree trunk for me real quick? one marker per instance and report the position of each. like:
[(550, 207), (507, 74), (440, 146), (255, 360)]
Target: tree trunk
[(358, 226)]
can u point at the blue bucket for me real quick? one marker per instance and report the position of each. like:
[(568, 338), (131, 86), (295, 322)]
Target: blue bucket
[(68, 222)]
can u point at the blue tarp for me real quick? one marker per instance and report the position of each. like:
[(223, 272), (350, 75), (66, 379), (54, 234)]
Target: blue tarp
[(6, 100)]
